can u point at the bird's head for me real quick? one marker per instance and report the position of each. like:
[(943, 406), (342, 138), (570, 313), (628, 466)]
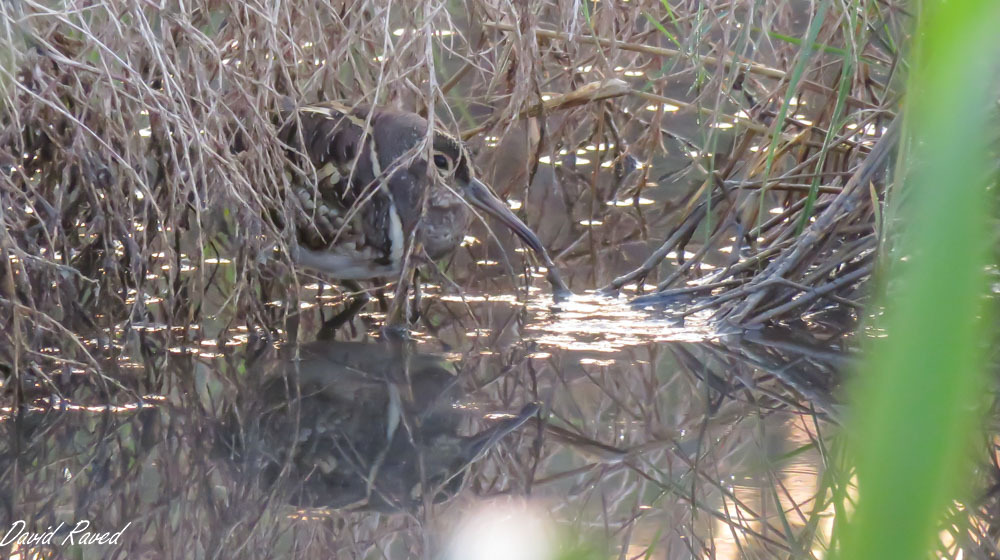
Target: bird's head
[(453, 167), (398, 137)]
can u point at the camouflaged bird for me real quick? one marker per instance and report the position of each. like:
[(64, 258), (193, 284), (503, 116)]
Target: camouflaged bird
[(378, 183)]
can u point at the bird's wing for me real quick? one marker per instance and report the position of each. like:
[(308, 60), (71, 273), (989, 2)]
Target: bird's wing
[(349, 214)]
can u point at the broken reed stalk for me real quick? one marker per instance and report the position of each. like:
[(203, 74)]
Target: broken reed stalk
[(708, 60), (740, 299), (823, 226), (587, 93)]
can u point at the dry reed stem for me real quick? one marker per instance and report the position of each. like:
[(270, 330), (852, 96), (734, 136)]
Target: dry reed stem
[(139, 151)]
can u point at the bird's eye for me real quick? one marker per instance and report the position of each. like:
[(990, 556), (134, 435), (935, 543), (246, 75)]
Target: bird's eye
[(442, 162)]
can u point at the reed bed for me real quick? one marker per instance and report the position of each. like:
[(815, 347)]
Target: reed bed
[(729, 157), (139, 144)]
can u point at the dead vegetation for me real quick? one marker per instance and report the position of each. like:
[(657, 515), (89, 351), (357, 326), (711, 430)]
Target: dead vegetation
[(686, 151), (139, 144)]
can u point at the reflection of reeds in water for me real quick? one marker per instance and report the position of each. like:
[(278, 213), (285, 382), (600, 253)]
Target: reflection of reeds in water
[(360, 426), (728, 443), (136, 257), (698, 437), (339, 429)]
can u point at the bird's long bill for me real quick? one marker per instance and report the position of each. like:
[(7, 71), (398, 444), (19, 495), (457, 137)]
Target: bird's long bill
[(481, 197)]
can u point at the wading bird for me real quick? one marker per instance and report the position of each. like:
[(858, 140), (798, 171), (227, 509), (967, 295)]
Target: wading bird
[(387, 186)]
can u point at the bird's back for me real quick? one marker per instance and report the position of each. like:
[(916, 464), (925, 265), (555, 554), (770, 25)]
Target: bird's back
[(371, 178)]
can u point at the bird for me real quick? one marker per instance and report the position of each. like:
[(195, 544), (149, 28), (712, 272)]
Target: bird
[(384, 179), (360, 426)]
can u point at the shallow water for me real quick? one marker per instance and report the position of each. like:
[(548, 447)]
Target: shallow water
[(656, 436), (653, 436)]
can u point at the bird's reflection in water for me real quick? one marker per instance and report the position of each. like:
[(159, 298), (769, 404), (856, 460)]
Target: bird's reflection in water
[(361, 426)]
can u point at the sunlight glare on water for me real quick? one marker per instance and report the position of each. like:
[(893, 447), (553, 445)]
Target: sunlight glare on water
[(592, 322)]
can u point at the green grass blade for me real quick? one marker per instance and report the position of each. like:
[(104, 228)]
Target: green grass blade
[(915, 399), (793, 82)]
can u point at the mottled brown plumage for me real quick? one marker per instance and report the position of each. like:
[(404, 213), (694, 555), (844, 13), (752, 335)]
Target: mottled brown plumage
[(379, 186)]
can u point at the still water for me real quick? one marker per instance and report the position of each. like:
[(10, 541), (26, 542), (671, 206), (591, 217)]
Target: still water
[(505, 423)]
